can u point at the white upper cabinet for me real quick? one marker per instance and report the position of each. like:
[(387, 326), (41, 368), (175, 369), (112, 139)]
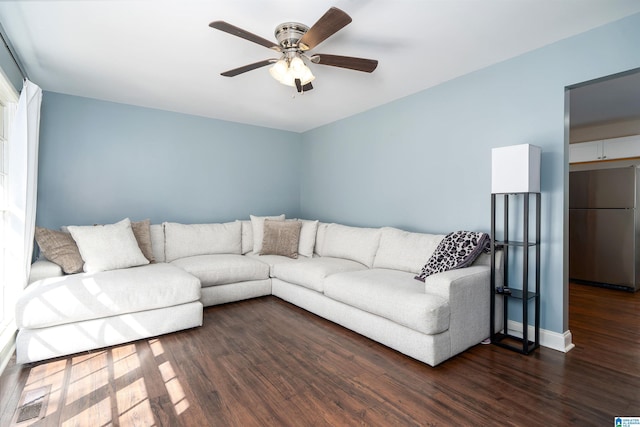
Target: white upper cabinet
[(608, 149), (585, 151), (620, 148)]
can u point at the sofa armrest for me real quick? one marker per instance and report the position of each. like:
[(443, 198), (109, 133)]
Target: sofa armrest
[(43, 269), (468, 292), (441, 283)]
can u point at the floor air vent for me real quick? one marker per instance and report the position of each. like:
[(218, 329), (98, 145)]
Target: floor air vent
[(32, 407)]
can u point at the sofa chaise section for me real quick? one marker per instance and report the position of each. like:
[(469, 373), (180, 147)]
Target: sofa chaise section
[(69, 314)]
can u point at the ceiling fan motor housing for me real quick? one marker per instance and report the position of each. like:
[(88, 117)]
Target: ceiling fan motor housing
[(289, 34)]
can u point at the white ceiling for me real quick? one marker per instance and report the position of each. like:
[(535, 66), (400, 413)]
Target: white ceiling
[(162, 54)]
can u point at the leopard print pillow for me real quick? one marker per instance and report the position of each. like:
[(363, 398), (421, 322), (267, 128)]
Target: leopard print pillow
[(457, 250)]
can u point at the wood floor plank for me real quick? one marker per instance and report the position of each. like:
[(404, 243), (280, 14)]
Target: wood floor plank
[(264, 362)]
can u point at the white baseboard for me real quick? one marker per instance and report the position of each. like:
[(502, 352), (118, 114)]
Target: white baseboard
[(553, 340)]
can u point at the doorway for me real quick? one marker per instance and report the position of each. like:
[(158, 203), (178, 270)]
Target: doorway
[(606, 109)]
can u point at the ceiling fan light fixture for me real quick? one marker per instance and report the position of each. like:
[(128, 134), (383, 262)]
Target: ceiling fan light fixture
[(287, 71)]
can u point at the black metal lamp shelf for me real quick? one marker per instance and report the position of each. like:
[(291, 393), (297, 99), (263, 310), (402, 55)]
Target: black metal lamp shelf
[(514, 343), (517, 293), (502, 244), (527, 291)]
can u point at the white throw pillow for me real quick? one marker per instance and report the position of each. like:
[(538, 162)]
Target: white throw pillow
[(184, 240), (307, 237), (108, 247), (257, 223)]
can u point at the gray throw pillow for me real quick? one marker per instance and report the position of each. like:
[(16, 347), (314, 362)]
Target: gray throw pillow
[(281, 238), (142, 233), (60, 248)]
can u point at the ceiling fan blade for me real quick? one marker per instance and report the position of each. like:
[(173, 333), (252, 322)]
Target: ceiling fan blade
[(245, 68), (329, 24), (358, 64), (239, 32)]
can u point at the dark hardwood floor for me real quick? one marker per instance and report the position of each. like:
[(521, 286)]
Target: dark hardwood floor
[(265, 362)]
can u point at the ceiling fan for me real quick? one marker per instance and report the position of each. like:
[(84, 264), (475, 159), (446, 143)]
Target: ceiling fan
[(294, 42)]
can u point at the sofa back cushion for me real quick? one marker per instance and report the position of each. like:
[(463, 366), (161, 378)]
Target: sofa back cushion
[(183, 240), (354, 243), (403, 250)]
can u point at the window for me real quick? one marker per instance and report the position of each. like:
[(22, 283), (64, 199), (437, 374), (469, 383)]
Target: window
[(8, 102)]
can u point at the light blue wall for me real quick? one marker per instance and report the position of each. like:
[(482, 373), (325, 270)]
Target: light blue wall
[(101, 162), (423, 162)]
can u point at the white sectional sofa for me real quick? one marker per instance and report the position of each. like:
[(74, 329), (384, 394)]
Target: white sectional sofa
[(361, 278)]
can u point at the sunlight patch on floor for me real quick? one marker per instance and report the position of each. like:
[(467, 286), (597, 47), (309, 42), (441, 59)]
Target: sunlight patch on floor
[(174, 388), (125, 360), (88, 373), (96, 415), (171, 381), (107, 386), (133, 405)]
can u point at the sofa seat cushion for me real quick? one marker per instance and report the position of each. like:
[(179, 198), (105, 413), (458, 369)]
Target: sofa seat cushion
[(85, 296), (392, 294), (272, 260), (222, 269), (311, 272)]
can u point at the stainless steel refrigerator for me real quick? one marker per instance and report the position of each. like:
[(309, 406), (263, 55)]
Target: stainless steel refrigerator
[(604, 226)]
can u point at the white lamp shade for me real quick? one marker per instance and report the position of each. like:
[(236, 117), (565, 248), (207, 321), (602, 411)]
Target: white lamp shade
[(515, 169), (288, 79), (306, 76), (279, 70), (296, 65)]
